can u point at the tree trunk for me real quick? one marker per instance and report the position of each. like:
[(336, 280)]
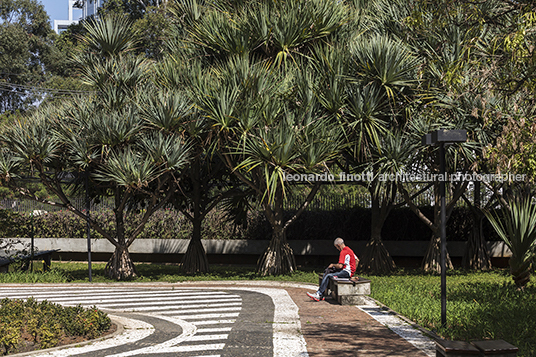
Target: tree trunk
[(432, 259), (375, 258), (476, 252), (520, 272), (195, 260), (120, 266), (278, 257)]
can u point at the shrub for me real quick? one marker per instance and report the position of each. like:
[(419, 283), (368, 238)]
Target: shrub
[(46, 323), (352, 224)]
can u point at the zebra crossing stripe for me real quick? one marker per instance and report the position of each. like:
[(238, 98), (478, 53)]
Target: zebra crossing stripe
[(201, 316), (207, 337), (106, 296), (13, 292), (107, 292), (215, 329), (213, 322), (105, 300), (122, 302), (192, 348), (181, 310), (201, 303)]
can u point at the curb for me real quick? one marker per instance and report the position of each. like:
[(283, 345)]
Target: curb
[(263, 283), (413, 324), (120, 329)]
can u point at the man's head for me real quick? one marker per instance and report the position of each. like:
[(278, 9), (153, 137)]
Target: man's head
[(339, 243)]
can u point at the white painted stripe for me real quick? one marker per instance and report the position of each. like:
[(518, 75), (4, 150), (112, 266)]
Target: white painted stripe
[(163, 301), (193, 348), (213, 322), (204, 316), (154, 304), (197, 338), (215, 329), (402, 328), (178, 310), (74, 288), (63, 291), (86, 301), (61, 296)]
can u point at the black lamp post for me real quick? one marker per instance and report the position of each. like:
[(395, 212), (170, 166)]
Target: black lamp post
[(440, 138), (88, 224)]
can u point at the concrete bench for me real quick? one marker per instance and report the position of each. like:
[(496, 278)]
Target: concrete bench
[(45, 256), (495, 348), (348, 291)]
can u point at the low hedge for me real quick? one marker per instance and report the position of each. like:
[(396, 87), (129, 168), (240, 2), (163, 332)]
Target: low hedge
[(45, 324), (351, 224)]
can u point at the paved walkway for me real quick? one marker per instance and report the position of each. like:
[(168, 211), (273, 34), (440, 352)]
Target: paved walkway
[(235, 319)]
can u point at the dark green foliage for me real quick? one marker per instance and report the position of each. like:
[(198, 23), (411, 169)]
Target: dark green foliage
[(28, 56), (352, 224), (401, 225), (13, 224), (46, 323), (164, 224)]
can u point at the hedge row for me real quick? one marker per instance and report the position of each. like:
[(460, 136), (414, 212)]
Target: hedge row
[(45, 324), (351, 224)]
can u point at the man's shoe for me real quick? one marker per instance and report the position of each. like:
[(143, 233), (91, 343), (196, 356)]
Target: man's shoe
[(315, 296)]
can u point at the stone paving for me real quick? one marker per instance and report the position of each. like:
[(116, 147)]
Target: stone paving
[(229, 319)]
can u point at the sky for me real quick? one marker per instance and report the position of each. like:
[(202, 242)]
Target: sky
[(58, 10)]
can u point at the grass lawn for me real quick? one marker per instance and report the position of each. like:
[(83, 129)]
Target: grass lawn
[(479, 305)]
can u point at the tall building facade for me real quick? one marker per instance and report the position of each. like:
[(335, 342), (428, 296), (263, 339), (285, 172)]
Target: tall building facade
[(60, 25), (89, 8)]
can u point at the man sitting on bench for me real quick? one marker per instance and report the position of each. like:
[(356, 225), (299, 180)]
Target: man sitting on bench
[(345, 268)]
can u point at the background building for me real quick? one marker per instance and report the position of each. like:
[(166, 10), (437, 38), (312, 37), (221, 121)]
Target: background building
[(89, 8)]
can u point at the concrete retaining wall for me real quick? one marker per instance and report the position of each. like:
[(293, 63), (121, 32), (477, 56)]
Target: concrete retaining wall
[(253, 247)]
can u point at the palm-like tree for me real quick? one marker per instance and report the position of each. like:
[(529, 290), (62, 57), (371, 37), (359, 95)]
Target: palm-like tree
[(104, 137), (369, 90), (244, 58), (206, 181), (517, 228), (390, 159), (453, 87), (263, 139)]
